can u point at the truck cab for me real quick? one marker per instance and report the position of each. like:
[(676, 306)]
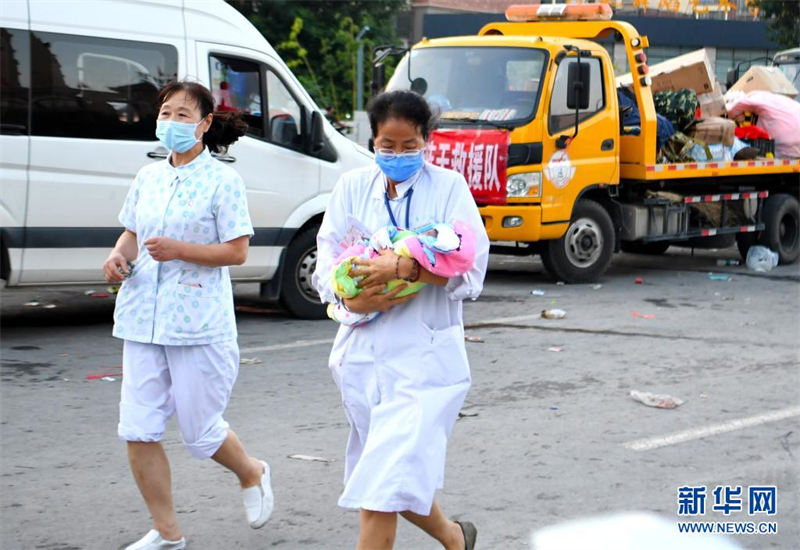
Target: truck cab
[(574, 183)]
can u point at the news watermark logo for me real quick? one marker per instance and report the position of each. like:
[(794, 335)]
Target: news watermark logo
[(728, 504)]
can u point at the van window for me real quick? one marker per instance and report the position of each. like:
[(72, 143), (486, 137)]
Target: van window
[(15, 69), (89, 87), (236, 85), (284, 113), (562, 118)]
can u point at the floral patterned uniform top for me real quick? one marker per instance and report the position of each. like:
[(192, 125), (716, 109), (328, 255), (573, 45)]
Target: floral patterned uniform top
[(178, 303)]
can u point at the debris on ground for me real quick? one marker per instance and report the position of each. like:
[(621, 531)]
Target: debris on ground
[(108, 379), (114, 372), (100, 295), (723, 263), (50, 306), (761, 259), (597, 287), (553, 408), (310, 458), (555, 348), (250, 361), (34, 303), (638, 281), (659, 401), (719, 277), (537, 292), (560, 283), (636, 314), (466, 414), (553, 314), (89, 292), (473, 339)]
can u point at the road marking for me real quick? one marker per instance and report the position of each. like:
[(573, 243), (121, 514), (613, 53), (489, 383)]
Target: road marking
[(712, 429), (290, 345)]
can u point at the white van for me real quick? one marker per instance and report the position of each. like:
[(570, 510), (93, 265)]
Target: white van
[(80, 82)]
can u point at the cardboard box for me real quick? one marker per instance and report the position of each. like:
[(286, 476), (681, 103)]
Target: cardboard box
[(712, 104), (767, 79), (691, 70), (715, 130)]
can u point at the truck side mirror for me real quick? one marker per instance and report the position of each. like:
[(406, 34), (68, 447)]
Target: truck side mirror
[(578, 86), (731, 77), (378, 78)]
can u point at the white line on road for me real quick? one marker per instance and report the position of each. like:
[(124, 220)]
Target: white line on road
[(712, 429), (289, 345)]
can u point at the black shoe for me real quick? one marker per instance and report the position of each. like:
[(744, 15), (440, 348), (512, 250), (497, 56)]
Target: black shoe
[(470, 534)]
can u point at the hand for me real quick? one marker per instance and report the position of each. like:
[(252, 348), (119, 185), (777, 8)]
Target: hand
[(372, 299), (163, 249), (115, 267), (376, 271)]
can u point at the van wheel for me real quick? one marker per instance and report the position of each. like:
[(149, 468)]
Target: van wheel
[(298, 295), (651, 249), (782, 227), (584, 252)]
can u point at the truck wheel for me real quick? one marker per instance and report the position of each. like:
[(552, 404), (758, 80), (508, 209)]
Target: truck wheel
[(744, 241), (782, 227), (298, 295), (584, 252), (652, 249)]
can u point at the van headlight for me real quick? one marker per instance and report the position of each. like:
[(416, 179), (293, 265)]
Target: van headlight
[(527, 184)]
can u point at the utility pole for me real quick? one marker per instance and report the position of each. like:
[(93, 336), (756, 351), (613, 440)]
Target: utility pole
[(360, 68)]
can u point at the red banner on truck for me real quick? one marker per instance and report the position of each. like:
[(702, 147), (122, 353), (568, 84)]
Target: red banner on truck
[(481, 156)]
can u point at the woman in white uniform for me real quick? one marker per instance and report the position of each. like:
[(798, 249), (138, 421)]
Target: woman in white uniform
[(404, 375), (185, 221)]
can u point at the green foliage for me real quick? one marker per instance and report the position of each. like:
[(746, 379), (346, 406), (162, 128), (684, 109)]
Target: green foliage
[(783, 18), (316, 39)]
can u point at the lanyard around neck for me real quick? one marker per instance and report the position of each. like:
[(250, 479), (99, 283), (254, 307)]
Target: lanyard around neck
[(408, 208)]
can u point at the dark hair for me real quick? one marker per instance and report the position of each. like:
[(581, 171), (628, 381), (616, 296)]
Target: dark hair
[(403, 104), (226, 127)]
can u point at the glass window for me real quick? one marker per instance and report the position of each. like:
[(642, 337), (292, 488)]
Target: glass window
[(15, 67), (236, 85), (284, 114), (560, 116), (471, 84), (97, 87)]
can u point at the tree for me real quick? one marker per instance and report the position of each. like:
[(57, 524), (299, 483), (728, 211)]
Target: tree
[(782, 18), (316, 39)]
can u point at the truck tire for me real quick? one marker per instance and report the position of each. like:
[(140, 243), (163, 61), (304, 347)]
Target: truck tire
[(651, 249), (782, 227), (585, 250), (297, 293)]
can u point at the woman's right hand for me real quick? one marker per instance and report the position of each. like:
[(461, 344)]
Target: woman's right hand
[(112, 266), (372, 298)]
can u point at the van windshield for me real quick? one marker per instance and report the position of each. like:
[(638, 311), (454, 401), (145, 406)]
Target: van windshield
[(474, 84)]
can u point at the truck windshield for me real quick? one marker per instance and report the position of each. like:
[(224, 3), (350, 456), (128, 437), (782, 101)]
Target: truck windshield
[(491, 85)]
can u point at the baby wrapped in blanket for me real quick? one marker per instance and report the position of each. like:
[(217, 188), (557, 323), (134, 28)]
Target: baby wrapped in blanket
[(447, 250)]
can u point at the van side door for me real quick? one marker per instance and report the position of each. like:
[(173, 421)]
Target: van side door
[(271, 158), (97, 71), (15, 75)]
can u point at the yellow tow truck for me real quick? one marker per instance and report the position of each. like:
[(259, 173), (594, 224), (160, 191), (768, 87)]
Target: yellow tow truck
[(529, 112)]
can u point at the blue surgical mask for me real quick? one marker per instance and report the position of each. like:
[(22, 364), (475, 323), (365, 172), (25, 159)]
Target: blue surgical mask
[(177, 136), (399, 167)]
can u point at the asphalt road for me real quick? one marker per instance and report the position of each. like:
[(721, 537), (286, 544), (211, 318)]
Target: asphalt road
[(550, 434)]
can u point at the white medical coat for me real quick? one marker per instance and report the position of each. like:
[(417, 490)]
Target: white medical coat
[(179, 303), (403, 376)]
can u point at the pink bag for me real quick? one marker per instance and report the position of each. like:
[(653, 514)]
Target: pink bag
[(777, 114)]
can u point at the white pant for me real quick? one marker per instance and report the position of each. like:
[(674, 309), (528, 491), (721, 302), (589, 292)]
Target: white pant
[(193, 381)]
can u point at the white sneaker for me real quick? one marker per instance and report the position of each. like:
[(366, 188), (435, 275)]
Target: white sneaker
[(259, 500), (154, 541)]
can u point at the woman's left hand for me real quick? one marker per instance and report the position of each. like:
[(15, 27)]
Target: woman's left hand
[(163, 249), (378, 270)]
